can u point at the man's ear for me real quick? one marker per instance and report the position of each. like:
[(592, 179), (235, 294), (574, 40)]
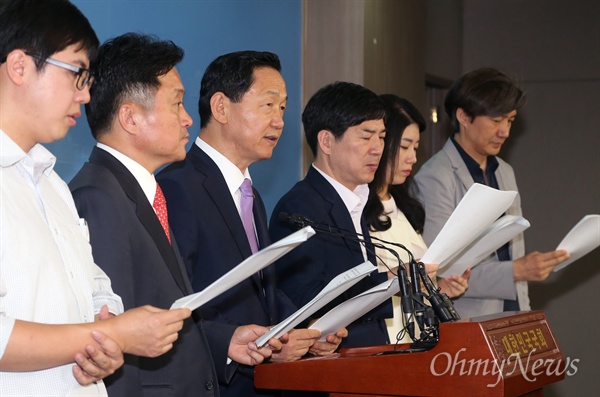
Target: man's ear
[(220, 106), (17, 66), (129, 117), (462, 117), (325, 140)]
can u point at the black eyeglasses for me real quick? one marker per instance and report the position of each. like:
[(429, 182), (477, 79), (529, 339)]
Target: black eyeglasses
[(84, 76)]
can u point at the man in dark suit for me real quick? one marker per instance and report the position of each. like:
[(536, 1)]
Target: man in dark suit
[(344, 128), (137, 117), (242, 101)]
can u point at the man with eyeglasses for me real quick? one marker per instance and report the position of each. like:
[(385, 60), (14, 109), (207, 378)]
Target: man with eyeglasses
[(52, 295), (84, 76)]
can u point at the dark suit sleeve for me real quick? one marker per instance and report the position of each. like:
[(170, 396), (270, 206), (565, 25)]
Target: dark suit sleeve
[(219, 337), (299, 275), (111, 252)]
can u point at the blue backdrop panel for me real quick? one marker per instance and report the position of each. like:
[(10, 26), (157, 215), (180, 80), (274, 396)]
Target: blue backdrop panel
[(205, 30)]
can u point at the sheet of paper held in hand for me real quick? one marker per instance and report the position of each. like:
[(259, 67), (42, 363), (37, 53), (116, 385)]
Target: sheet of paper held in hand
[(581, 240), (477, 210), (345, 313), (494, 237), (247, 268), (339, 284)]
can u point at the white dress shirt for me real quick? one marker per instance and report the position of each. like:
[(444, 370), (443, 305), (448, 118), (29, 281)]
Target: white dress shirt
[(141, 175), (47, 273), (232, 174)]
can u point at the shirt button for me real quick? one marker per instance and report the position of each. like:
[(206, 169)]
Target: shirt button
[(209, 385)]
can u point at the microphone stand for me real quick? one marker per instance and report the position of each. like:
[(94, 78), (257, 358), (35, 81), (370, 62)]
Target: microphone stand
[(405, 282), (443, 306), (411, 295)]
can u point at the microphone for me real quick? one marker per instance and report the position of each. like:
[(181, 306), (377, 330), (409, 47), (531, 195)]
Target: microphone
[(417, 295), (295, 220), (405, 298), (441, 303), (406, 295)]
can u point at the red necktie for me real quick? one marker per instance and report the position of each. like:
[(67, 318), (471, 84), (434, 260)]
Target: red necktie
[(160, 206)]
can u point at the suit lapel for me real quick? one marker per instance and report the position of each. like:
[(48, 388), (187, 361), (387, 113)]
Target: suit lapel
[(144, 212), (459, 166), (265, 279), (216, 187), (504, 182), (260, 221), (338, 213), (368, 244)]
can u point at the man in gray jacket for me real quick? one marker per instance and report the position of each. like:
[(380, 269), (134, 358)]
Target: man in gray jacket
[(482, 106)]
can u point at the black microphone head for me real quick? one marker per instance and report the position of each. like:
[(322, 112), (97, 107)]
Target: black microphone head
[(294, 219)]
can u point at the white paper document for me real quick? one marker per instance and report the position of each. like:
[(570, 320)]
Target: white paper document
[(339, 284), (581, 240), (477, 210), (345, 313), (247, 268), (494, 237)]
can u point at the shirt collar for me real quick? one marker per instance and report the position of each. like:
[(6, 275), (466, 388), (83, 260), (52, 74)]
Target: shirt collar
[(37, 162), (232, 174), (472, 165), (354, 200), (141, 175)]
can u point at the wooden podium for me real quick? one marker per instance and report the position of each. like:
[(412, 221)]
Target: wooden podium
[(506, 354)]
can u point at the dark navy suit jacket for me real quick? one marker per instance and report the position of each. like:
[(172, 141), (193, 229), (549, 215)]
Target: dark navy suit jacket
[(129, 244), (308, 268), (212, 241)]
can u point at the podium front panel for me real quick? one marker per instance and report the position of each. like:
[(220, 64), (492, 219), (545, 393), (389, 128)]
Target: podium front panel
[(508, 354)]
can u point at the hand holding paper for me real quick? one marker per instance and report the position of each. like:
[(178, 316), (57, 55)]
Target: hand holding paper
[(242, 348), (297, 345), (328, 343), (339, 284)]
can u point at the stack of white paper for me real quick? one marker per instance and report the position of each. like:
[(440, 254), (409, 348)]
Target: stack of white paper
[(247, 268), (345, 313), (494, 237), (581, 240), (339, 284), (477, 210)]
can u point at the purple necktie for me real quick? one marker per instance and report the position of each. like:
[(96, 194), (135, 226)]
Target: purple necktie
[(246, 210)]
